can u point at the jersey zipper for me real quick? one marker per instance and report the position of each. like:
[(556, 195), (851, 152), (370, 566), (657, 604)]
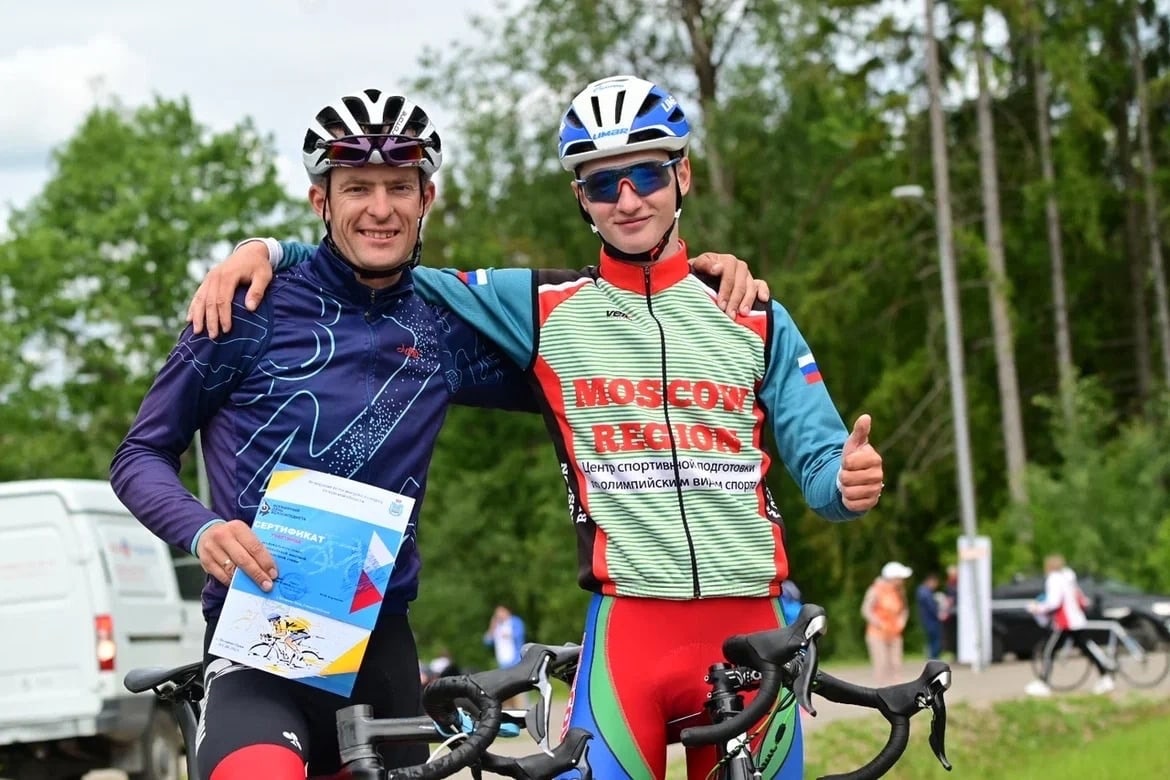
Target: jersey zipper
[(673, 444)]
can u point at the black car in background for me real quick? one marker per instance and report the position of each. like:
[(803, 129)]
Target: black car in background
[(1014, 630)]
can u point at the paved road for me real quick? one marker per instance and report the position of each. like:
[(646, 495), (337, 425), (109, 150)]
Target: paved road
[(997, 683)]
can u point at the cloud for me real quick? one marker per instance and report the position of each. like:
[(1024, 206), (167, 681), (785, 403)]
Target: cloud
[(276, 61), (46, 91)]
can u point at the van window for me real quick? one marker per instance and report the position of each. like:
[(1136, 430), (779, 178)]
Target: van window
[(189, 574)]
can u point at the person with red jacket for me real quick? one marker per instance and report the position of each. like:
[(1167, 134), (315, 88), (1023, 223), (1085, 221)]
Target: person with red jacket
[(1062, 607)]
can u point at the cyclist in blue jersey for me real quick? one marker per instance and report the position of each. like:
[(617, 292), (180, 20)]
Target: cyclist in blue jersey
[(344, 369), (658, 406)]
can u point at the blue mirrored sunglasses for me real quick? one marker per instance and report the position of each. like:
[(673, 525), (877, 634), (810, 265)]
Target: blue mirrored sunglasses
[(604, 186)]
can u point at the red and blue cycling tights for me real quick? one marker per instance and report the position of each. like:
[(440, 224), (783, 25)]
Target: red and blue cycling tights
[(641, 681)]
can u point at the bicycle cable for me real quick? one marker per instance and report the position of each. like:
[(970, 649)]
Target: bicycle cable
[(781, 705), (446, 744)]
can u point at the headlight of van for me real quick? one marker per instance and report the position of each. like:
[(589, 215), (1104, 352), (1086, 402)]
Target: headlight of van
[(1116, 613), (1161, 608)]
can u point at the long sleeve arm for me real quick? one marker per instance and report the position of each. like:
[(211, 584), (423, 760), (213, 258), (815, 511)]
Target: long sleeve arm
[(809, 432), (196, 380)]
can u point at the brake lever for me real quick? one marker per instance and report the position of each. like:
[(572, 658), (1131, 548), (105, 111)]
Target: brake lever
[(584, 771), (803, 684), (938, 729), (537, 718)]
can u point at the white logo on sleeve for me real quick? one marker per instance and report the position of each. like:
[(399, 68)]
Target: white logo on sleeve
[(292, 737)]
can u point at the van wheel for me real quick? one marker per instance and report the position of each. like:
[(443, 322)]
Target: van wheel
[(162, 749)]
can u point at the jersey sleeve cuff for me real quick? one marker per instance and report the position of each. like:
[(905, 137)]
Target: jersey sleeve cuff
[(199, 533), (275, 250)]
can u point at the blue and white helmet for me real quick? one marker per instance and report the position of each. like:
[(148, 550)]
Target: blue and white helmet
[(620, 114)]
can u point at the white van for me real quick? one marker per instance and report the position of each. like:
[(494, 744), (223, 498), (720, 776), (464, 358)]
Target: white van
[(86, 594)]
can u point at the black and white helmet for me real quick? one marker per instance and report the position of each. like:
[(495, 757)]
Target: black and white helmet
[(370, 112)]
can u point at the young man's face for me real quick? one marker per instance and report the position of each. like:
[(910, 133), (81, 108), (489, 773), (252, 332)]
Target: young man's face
[(636, 221), (374, 212)]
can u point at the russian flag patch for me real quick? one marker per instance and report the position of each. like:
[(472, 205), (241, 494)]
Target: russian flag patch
[(808, 367), (473, 278)]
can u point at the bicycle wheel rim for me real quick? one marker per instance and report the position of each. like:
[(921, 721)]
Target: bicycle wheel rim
[(1070, 668), (1149, 666)]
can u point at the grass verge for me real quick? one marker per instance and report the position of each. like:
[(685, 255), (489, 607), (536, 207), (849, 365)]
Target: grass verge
[(1071, 738)]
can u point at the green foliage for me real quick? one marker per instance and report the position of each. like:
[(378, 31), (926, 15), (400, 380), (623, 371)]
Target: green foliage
[(99, 267), (1104, 504)]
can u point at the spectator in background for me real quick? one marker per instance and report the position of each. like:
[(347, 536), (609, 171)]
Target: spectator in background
[(886, 612), (926, 598), (949, 611), (505, 635), (1062, 608)]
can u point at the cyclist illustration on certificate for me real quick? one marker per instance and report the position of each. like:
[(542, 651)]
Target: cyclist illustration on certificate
[(334, 542)]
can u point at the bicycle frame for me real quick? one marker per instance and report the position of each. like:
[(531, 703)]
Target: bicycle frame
[(1117, 635)]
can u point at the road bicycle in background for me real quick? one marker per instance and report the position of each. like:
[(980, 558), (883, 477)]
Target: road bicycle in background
[(1139, 652)]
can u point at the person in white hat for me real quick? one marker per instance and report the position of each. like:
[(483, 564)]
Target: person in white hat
[(885, 611)]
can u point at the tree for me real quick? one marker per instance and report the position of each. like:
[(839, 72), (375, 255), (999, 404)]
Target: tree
[(1001, 319), (100, 264), (1150, 196), (1066, 370)]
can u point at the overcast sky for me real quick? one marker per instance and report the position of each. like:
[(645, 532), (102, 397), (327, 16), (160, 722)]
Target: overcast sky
[(275, 60)]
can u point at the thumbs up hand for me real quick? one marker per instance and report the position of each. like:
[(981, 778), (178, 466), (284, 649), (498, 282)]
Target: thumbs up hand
[(861, 476)]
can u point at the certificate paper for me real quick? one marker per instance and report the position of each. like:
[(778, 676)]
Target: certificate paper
[(334, 542)]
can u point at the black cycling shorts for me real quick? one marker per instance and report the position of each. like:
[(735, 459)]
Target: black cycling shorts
[(246, 706)]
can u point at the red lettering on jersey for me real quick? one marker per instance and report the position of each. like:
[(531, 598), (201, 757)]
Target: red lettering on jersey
[(634, 437)]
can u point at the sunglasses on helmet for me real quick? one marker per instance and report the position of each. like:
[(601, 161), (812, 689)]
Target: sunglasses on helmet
[(350, 151), (604, 186)]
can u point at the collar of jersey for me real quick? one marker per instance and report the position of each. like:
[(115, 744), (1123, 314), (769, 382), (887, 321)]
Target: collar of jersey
[(664, 272), (328, 270)]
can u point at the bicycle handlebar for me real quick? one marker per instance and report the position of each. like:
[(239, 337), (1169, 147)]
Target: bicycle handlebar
[(532, 672), (481, 693), (788, 657), (570, 754), (897, 704), (767, 652), (358, 754)]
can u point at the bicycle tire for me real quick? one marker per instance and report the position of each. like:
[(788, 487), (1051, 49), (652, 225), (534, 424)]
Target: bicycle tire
[(1152, 666), (1070, 668), (268, 651)]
